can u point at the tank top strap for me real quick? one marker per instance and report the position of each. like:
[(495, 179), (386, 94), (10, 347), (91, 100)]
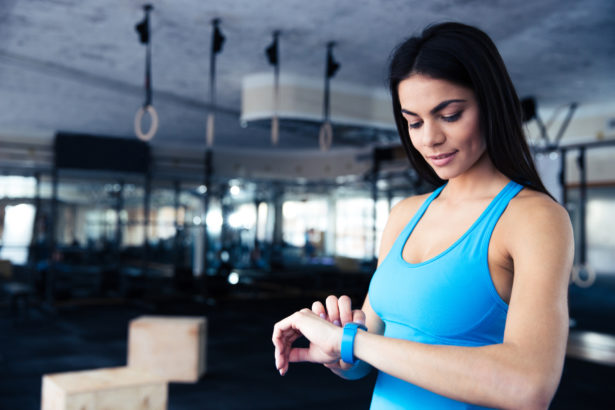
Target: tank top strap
[(419, 213), (496, 208), (401, 239)]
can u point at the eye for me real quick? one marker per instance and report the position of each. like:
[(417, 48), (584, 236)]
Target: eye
[(414, 125), (452, 118)]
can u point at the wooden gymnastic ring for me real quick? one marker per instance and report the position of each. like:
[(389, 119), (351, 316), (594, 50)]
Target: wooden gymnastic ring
[(576, 275), (153, 127)]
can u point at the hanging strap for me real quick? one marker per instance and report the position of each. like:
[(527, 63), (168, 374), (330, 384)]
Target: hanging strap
[(325, 136), (143, 29), (273, 57), (217, 41)]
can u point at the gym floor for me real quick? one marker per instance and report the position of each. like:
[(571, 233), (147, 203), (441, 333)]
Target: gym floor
[(240, 369)]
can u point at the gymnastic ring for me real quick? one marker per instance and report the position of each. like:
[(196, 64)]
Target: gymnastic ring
[(153, 127), (325, 136), (578, 280)]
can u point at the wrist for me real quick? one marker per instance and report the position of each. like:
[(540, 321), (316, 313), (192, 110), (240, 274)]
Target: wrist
[(347, 343)]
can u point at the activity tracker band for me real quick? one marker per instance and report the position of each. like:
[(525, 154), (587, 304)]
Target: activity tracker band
[(347, 348)]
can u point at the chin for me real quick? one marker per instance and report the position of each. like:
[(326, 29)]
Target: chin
[(446, 174)]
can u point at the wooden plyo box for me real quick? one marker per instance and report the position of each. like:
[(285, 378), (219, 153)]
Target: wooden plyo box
[(118, 388), (173, 348)]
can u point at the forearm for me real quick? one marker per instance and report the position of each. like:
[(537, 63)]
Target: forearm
[(495, 375)]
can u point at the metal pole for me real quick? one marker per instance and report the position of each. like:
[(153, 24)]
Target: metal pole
[(325, 113), (50, 280), (375, 171), (176, 242), (217, 39), (146, 220), (34, 249), (278, 221), (257, 203), (582, 206), (148, 72), (564, 125), (562, 176), (119, 205), (215, 48), (207, 173), (275, 124)]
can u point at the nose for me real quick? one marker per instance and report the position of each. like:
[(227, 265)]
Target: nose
[(432, 134)]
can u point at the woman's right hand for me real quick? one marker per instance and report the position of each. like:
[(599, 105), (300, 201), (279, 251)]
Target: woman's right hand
[(339, 312)]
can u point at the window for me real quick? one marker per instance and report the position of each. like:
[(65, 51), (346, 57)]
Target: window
[(17, 187), (302, 216), (17, 233), (354, 226)]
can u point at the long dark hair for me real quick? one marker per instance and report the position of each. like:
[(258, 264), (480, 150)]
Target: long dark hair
[(466, 56)]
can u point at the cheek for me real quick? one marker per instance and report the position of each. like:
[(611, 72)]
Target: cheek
[(474, 136), (477, 144)]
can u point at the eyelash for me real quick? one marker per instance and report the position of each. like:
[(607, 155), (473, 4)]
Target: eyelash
[(449, 118), (452, 118)]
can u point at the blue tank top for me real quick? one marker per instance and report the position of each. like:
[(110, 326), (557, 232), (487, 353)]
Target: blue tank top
[(449, 299)]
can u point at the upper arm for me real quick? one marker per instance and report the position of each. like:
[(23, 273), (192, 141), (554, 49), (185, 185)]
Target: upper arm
[(541, 247), (373, 322)]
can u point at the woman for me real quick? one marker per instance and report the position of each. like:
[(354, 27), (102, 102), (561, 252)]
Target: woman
[(468, 305)]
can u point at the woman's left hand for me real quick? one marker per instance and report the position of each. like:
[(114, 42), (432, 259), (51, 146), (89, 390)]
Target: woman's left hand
[(339, 312), (324, 337)]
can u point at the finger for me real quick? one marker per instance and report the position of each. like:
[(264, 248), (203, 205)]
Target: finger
[(358, 316), (296, 354), (278, 353), (286, 324), (279, 330), (333, 310), (283, 343), (319, 309), (311, 354), (299, 354), (345, 307), (283, 336), (283, 349)]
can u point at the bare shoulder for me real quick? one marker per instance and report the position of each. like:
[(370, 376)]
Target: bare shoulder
[(534, 216), (536, 208)]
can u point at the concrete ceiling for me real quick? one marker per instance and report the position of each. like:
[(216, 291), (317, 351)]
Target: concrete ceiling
[(77, 65)]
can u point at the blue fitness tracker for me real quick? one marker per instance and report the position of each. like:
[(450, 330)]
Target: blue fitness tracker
[(347, 349)]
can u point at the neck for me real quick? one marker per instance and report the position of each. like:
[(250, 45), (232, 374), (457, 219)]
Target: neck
[(482, 180)]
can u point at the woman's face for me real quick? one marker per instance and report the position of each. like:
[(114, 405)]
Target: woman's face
[(443, 123)]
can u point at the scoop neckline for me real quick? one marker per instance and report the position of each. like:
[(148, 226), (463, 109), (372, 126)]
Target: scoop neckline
[(461, 238)]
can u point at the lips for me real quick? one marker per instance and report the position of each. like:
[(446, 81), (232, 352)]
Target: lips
[(441, 156), (442, 159)]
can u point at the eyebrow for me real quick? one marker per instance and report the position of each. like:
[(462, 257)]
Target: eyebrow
[(435, 109)]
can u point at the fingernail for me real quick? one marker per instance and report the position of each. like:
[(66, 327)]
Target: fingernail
[(281, 372), (337, 323), (323, 316)]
